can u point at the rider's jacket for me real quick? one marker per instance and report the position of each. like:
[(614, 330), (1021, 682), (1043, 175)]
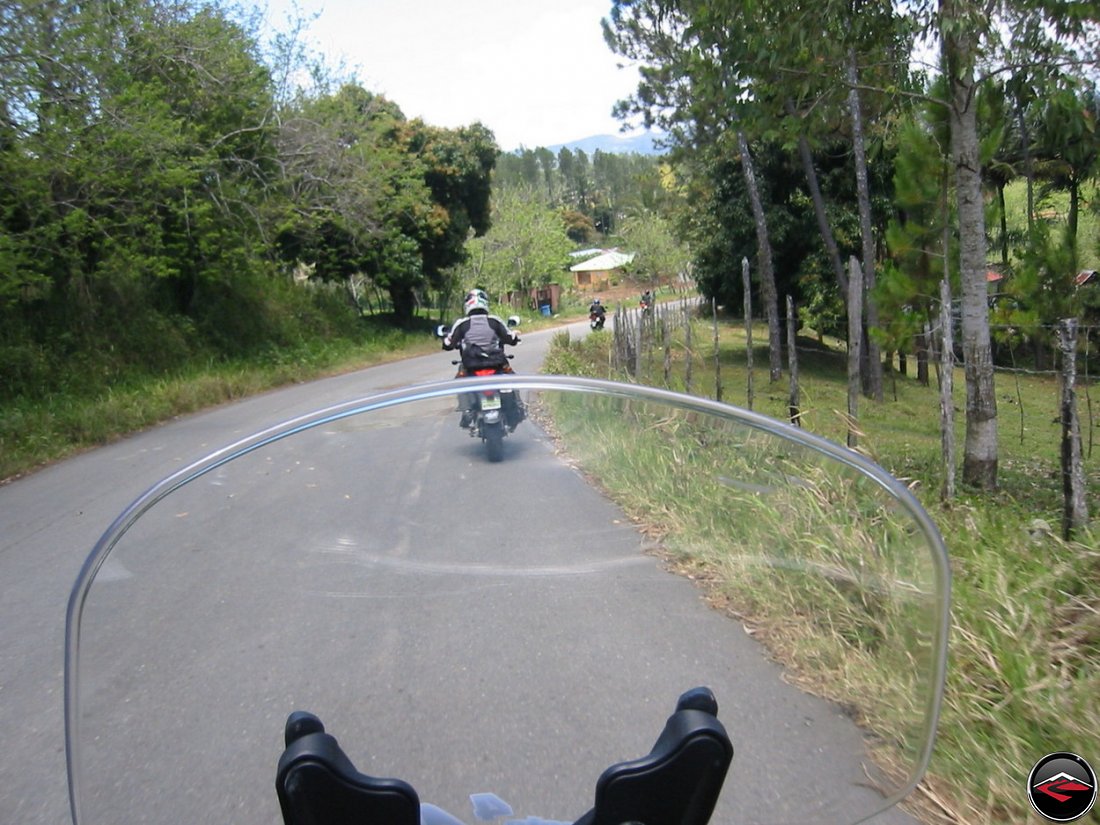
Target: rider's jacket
[(480, 340)]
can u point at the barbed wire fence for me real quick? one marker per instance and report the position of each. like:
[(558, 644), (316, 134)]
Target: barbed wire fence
[(649, 346)]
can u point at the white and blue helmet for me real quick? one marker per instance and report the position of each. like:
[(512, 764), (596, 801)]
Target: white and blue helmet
[(476, 299)]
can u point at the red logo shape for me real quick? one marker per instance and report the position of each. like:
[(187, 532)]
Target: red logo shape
[(1062, 787)]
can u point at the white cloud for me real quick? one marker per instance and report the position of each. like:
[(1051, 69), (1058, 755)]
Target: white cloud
[(536, 73)]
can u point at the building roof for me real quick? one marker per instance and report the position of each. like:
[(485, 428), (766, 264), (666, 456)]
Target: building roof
[(608, 260), (1085, 276)]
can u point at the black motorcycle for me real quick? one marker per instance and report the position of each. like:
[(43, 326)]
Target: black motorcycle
[(489, 413)]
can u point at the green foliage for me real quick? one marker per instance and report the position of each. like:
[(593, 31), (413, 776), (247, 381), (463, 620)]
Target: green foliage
[(715, 222), (1041, 290), (132, 182), (374, 194), (596, 194), (156, 187), (907, 290), (98, 399), (526, 247), (659, 256)]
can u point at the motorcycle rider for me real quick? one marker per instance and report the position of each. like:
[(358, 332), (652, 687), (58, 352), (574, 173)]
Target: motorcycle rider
[(596, 311), (480, 338)]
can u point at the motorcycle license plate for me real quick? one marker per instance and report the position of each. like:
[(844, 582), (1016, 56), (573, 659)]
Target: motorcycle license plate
[(490, 402)]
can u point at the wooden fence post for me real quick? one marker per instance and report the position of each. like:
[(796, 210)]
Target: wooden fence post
[(794, 404), (1075, 514), (748, 327), (855, 334), (689, 354), (618, 329), (934, 355), (946, 370), (717, 359), (668, 352), (1088, 395)]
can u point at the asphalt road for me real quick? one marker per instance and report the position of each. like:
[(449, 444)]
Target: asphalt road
[(520, 658)]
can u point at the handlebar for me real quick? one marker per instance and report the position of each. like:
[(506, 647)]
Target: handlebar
[(676, 783)]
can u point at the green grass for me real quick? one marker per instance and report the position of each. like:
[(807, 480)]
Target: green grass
[(1024, 672), (39, 430)]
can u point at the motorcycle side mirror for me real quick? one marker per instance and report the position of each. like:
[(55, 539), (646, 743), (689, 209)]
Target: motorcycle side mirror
[(513, 320), (442, 331)]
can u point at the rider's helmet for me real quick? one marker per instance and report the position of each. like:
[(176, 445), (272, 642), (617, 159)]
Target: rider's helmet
[(476, 301), (596, 301)]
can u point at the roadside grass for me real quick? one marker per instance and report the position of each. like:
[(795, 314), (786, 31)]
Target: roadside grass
[(819, 559), (1024, 667), (39, 430), (95, 401)]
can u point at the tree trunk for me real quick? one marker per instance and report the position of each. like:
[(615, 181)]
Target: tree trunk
[(980, 450), (404, 303), (1071, 220), (947, 394), (768, 292), (855, 338), (872, 379), (1004, 225), (794, 403), (827, 237), (923, 343), (1075, 513), (1029, 166), (748, 330), (717, 352)]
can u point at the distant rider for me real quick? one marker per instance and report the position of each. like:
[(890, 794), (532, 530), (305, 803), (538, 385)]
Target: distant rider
[(480, 338)]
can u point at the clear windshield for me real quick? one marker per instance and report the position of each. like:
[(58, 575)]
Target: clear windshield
[(512, 628)]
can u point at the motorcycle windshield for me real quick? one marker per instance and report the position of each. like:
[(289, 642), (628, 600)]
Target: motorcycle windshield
[(506, 631)]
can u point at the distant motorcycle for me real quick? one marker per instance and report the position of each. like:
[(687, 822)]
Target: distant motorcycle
[(596, 320)]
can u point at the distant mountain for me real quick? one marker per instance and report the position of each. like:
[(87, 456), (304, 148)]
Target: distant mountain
[(641, 144)]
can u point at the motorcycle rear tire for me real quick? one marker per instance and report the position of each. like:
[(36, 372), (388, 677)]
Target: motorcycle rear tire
[(494, 440)]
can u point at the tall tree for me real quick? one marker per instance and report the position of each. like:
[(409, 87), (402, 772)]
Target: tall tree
[(368, 186), (690, 90), (961, 26), (1040, 33)]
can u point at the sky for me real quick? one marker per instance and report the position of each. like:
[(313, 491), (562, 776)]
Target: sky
[(536, 72)]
